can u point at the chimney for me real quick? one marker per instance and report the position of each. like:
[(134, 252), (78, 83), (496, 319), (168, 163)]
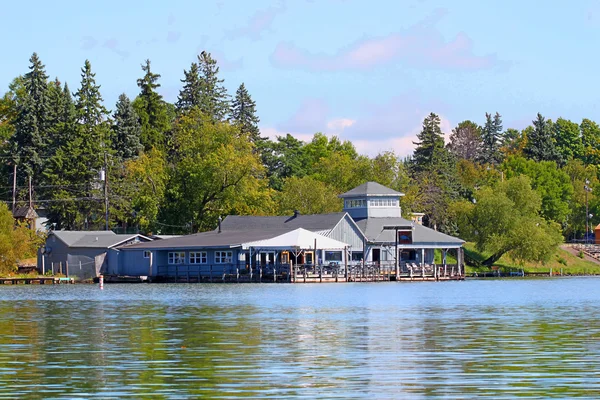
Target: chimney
[(220, 219), (296, 213)]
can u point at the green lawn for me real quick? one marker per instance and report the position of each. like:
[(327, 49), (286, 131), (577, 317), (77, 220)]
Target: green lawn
[(569, 263)]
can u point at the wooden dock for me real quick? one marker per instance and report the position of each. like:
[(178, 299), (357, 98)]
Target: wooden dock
[(36, 280)]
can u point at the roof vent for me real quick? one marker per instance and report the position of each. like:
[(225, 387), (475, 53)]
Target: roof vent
[(296, 213), (220, 220), (96, 238)]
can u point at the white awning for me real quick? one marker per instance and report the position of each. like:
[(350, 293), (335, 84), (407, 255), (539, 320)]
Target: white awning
[(298, 239)]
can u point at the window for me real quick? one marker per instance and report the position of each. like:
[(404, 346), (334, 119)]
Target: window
[(356, 203), (198, 257), (333, 256), (146, 253), (357, 256), (176, 257), (223, 257)]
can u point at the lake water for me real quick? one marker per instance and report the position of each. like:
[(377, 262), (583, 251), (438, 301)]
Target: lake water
[(487, 338)]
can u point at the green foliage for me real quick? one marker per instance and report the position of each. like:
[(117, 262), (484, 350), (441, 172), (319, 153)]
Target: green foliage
[(308, 196), (430, 144), (568, 140), (505, 220), (590, 138), (550, 182), (28, 142), (541, 144), (214, 102), (216, 172), (243, 114), (126, 130), (152, 110), (16, 242), (491, 135), (190, 95)]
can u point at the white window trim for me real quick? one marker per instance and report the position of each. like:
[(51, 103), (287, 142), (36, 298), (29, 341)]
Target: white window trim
[(172, 260), (202, 255), (228, 257)]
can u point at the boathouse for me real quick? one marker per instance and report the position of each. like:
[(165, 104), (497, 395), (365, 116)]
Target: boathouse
[(84, 254), (370, 233)]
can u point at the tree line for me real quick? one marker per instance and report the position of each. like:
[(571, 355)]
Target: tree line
[(177, 167)]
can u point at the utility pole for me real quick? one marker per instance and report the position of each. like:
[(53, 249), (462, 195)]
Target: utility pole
[(106, 190), (30, 193), (14, 202)]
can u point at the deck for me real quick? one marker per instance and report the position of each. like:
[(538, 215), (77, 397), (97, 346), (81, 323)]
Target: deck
[(36, 280), (304, 274)]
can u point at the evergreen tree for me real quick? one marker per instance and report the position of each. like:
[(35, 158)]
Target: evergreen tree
[(430, 144), (127, 130), (466, 142), (243, 114), (215, 100), (190, 95), (75, 167), (152, 110), (27, 143), (540, 143), (61, 116), (491, 135)]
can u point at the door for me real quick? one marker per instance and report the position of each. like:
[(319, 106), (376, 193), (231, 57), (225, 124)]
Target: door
[(376, 255)]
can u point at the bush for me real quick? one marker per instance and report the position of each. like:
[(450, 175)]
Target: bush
[(581, 254), (562, 261)]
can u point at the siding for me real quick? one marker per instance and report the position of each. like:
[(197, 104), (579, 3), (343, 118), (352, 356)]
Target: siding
[(345, 231)]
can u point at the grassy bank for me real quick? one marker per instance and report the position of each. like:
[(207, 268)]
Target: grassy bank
[(570, 264)]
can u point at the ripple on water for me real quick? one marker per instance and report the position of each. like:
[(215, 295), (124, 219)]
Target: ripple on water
[(497, 339)]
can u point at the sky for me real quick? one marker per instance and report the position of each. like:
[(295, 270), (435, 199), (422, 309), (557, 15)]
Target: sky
[(365, 71)]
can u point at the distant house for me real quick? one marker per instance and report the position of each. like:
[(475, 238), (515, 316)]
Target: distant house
[(84, 254), (34, 220), (370, 226)]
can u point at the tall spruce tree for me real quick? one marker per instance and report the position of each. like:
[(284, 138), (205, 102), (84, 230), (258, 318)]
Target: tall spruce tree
[(243, 114), (215, 100), (28, 142), (491, 135), (152, 110), (190, 95), (127, 130), (540, 142), (430, 144)]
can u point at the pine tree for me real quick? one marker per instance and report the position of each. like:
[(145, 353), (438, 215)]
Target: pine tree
[(540, 143), (190, 95), (430, 144), (491, 135), (127, 130), (243, 114), (215, 100), (466, 142), (28, 142), (151, 110)]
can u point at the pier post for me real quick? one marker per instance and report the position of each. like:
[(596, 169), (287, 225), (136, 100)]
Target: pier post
[(237, 273), (60, 267), (260, 273), (67, 269), (43, 266), (274, 273), (52, 264)]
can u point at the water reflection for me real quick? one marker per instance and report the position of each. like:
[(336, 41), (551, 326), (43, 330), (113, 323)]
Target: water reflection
[(487, 339)]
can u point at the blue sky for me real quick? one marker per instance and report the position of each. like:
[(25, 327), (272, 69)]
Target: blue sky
[(368, 71)]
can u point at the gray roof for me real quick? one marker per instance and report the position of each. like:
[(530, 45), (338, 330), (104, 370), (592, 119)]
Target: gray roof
[(373, 229), (210, 239), (313, 222), (239, 229), (96, 239), (371, 189)]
